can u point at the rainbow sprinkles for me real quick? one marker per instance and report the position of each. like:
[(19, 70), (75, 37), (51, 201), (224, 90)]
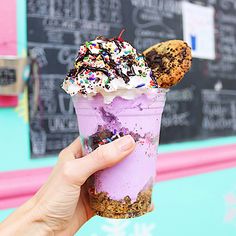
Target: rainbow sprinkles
[(109, 66)]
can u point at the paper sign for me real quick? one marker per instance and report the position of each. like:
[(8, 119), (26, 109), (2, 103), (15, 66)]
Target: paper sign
[(198, 29), (11, 73)]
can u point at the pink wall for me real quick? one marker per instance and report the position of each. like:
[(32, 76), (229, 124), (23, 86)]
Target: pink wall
[(17, 186), (8, 28), (8, 40)]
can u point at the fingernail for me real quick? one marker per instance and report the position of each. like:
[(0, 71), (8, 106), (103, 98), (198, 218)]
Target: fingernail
[(125, 143)]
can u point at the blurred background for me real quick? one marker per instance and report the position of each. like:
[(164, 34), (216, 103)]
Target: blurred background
[(195, 192)]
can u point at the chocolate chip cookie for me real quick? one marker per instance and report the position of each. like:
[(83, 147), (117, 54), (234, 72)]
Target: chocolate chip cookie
[(169, 61)]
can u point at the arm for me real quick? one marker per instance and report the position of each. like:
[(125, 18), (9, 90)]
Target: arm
[(61, 206)]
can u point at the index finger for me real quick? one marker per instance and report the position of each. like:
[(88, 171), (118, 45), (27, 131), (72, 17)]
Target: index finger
[(76, 147)]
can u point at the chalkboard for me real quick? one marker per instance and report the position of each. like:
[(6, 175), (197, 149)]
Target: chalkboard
[(202, 106), (218, 90)]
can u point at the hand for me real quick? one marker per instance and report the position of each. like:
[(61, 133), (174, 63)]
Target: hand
[(61, 206)]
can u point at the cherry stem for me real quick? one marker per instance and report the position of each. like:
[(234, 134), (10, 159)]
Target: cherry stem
[(120, 35)]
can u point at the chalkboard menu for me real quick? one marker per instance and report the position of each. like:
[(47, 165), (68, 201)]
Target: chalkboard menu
[(202, 106)]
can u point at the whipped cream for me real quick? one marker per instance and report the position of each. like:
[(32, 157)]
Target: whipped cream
[(111, 67)]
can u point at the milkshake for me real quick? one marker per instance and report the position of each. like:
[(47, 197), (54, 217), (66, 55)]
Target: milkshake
[(115, 93)]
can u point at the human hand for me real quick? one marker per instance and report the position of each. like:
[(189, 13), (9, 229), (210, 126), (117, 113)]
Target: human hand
[(61, 206)]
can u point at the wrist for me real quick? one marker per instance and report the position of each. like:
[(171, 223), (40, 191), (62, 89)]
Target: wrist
[(35, 226), (24, 222)]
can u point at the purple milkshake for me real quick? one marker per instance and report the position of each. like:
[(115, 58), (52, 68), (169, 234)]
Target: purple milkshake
[(127, 186), (115, 94)]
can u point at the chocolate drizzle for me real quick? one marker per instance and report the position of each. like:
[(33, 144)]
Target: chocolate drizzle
[(115, 60), (121, 74), (110, 62), (118, 44), (104, 70), (72, 73)]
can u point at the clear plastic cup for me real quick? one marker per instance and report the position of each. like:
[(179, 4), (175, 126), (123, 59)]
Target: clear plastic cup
[(124, 190)]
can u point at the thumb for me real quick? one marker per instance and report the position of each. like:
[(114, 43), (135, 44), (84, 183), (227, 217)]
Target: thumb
[(78, 170)]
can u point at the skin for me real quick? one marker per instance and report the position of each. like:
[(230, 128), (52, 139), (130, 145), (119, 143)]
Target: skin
[(61, 206)]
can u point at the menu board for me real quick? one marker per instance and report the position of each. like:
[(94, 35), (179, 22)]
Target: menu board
[(218, 93), (57, 28), (219, 112)]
